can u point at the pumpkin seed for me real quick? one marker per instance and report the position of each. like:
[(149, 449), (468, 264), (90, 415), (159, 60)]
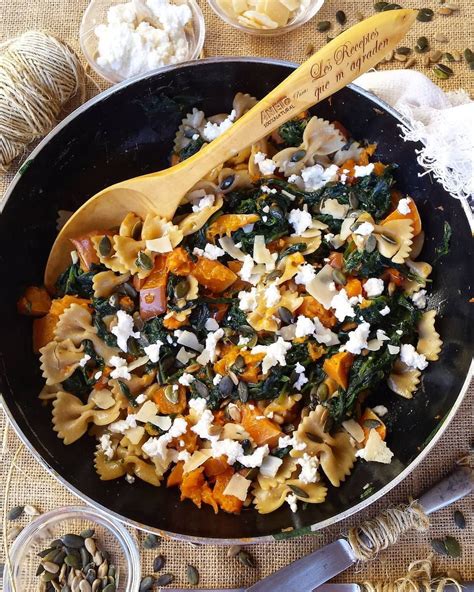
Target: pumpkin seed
[(181, 289), (422, 45), (322, 392), (227, 182), (314, 437), (298, 491), (73, 561), (372, 423), (87, 533), (370, 243), (146, 584), (201, 389), (309, 49), (353, 200), (47, 554), (15, 512), (403, 50), (448, 56), (285, 315), (59, 557), (341, 17), (105, 246), (243, 391), (388, 239), (172, 394), (73, 540), (439, 546), (164, 580), (158, 563), (441, 72), (459, 519), (400, 58), (239, 363), (379, 6), (85, 586), (136, 232), (339, 277), (456, 55), (192, 575), (151, 541), (425, 15), (435, 55), (245, 558), (323, 26), (90, 545), (298, 155), (468, 55), (471, 65), (453, 547), (47, 576), (444, 11), (143, 261), (31, 511), (40, 569), (391, 7), (226, 386)]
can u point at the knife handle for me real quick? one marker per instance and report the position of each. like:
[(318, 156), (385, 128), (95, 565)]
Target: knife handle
[(447, 491)]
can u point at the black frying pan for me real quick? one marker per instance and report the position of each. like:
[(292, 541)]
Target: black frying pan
[(129, 131)]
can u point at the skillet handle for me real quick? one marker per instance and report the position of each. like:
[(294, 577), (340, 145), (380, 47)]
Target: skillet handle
[(447, 491)]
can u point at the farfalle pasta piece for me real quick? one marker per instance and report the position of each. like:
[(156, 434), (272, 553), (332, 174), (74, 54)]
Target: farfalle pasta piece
[(104, 283), (71, 417), (110, 260), (269, 500), (76, 324), (264, 318), (336, 453), (253, 168), (422, 270), (195, 221), (130, 251), (352, 152), (285, 472), (289, 266), (143, 470), (157, 227), (429, 342), (311, 493), (131, 226), (403, 380), (49, 392), (243, 103), (59, 360), (108, 469), (232, 179), (192, 124), (394, 239)]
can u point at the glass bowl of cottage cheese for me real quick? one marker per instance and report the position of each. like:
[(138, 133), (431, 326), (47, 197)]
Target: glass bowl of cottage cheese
[(122, 40)]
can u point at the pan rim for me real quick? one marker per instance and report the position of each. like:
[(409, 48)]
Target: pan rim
[(206, 540)]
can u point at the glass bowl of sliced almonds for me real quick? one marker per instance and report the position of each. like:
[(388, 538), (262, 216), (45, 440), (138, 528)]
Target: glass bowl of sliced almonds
[(266, 17), (73, 548)]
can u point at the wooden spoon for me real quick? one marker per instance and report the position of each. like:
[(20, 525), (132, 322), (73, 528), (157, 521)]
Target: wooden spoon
[(339, 62)]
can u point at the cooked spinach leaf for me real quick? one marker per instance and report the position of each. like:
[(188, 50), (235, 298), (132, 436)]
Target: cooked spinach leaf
[(373, 192), (76, 282), (193, 147), (443, 248), (292, 131)]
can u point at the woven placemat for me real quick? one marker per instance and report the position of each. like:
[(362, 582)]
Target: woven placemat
[(33, 485)]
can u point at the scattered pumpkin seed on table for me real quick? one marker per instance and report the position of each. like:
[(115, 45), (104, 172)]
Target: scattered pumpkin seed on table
[(15, 513), (245, 558), (165, 579), (158, 563), (151, 541), (453, 547), (459, 519), (422, 45), (425, 15), (341, 17), (323, 26), (193, 575), (403, 50)]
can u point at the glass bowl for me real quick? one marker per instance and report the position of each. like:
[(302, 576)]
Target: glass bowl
[(96, 14), (112, 536), (302, 17)]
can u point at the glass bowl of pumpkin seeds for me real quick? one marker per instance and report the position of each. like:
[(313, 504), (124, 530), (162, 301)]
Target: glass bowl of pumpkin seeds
[(73, 549)]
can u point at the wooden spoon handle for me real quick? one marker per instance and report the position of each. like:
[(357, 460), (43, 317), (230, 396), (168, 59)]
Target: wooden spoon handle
[(346, 57)]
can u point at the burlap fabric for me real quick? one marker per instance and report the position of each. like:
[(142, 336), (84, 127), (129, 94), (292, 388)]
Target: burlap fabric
[(31, 484)]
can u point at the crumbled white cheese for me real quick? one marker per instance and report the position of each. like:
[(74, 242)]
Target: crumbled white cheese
[(364, 229), (302, 379), (227, 447), (393, 349), (294, 179), (419, 299), (106, 446), (198, 405), (247, 229), (272, 295), (266, 189), (316, 176), (158, 446), (212, 131), (120, 368), (410, 357), (373, 287), (270, 466), (292, 501), (301, 220), (121, 426), (304, 326), (211, 325), (248, 300), (210, 251), (123, 330), (341, 305), (128, 45), (140, 399), (363, 171), (251, 461), (309, 468), (381, 335), (203, 426), (357, 339), (375, 450), (130, 478), (243, 341), (274, 354), (83, 361), (403, 206), (380, 410), (246, 270), (183, 356), (186, 379), (385, 311), (238, 486), (98, 374), (323, 334), (209, 353), (216, 380), (305, 274), (266, 165), (204, 202), (153, 351)]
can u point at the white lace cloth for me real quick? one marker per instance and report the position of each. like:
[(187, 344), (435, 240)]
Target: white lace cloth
[(442, 122)]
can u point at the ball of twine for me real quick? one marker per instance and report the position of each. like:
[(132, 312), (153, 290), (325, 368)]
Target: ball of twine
[(38, 75)]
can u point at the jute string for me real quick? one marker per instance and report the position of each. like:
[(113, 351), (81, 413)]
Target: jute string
[(379, 533), (38, 76)]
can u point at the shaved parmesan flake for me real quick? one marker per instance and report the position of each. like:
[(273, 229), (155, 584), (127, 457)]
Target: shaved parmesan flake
[(198, 458), (354, 430), (376, 450), (159, 245), (332, 207), (148, 409), (238, 486), (270, 466), (262, 255), (188, 339), (135, 434), (229, 247), (322, 287)]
